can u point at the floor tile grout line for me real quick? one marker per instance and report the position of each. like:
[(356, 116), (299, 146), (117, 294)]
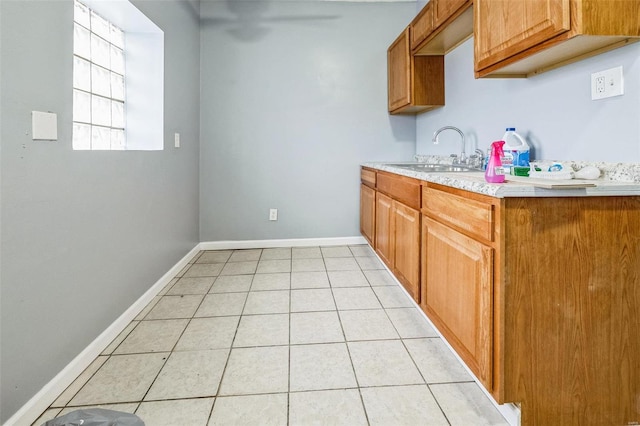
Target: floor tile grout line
[(226, 364), (174, 345), (395, 329), (113, 353), (438, 403), (83, 385), (353, 368), (411, 356), (289, 351), (400, 337), (154, 380), (232, 347), (190, 319)]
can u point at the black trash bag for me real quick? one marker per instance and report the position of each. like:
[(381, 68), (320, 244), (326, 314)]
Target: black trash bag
[(96, 417)]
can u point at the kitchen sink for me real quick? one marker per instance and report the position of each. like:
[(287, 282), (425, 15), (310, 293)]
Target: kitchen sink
[(435, 168)]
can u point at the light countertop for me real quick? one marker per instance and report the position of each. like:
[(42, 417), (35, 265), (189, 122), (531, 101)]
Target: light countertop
[(617, 179)]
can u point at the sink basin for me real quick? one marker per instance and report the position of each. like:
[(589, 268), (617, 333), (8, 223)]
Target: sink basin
[(435, 168)]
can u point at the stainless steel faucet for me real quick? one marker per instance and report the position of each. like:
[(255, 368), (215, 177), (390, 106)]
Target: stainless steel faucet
[(477, 159), (463, 156)]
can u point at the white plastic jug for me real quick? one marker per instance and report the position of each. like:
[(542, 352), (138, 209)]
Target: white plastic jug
[(516, 149)]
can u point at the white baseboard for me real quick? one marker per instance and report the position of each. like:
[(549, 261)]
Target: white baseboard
[(299, 242), (30, 412)]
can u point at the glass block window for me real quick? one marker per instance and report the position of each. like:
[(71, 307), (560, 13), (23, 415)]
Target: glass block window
[(98, 82)]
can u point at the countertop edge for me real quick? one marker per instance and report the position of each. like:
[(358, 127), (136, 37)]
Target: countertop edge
[(474, 182)]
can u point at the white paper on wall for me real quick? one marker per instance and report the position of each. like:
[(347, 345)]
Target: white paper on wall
[(44, 126)]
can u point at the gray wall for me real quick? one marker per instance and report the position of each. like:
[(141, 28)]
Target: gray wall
[(290, 108), (84, 234), (553, 110)]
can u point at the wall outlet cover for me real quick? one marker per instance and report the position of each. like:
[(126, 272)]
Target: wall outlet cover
[(607, 83)]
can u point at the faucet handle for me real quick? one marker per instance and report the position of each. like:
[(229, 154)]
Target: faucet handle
[(477, 159)]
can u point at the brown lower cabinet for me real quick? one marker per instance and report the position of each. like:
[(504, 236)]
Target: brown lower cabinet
[(458, 256), (398, 241), (538, 296), (396, 227)]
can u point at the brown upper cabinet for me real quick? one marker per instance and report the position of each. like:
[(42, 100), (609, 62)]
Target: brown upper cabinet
[(415, 83), (520, 38), (416, 58), (440, 26)]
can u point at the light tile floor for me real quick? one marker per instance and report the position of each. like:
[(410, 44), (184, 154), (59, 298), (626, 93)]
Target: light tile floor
[(298, 336)]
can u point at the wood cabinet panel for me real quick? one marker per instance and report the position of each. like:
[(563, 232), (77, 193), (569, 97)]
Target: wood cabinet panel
[(407, 248), (422, 25), (571, 346), (457, 293), (519, 38), (384, 234), (504, 28), (368, 177), (415, 83), (367, 213), (544, 311), (445, 9), (474, 217), (401, 188), (399, 72), (397, 227), (441, 26)]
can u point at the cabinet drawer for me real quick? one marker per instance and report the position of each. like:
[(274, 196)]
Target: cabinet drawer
[(368, 177), (404, 189), (474, 217)]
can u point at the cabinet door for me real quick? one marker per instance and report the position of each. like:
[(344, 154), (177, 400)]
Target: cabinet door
[(407, 248), (422, 25), (367, 212), (384, 229), (443, 9), (399, 72), (507, 27), (457, 291)]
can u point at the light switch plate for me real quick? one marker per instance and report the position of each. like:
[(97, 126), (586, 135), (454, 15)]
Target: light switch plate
[(607, 83)]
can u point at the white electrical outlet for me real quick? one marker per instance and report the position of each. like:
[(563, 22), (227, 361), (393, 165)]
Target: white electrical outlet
[(273, 214), (176, 140), (607, 83)]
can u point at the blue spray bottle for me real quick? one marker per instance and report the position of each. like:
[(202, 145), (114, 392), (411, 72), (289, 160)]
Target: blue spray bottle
[(495, 172)]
